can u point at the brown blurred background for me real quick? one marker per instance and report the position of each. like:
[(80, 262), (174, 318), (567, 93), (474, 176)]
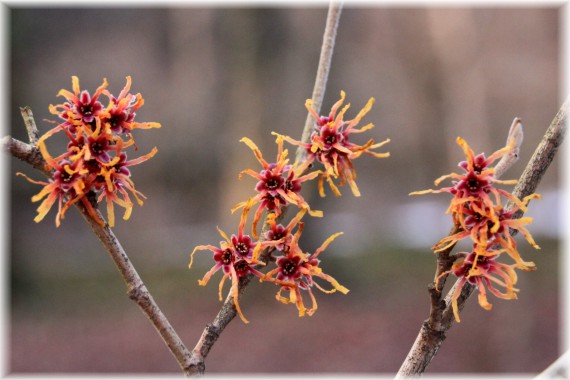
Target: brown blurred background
[(213, 75)]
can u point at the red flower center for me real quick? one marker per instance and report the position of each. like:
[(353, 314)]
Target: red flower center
[(86, 110), (288, 268), (97, 147), (272, 183), (473, 183), (66, 177), (241, 267), (242, 248), (227, 256)]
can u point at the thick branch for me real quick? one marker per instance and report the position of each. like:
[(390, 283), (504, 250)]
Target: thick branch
[(24, 152), (432, 334)]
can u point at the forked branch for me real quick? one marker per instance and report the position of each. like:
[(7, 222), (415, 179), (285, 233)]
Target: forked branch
[(433, 331), (228, 311)]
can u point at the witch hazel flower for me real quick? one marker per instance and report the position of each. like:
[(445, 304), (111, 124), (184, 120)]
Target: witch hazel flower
[(331, 146), (477, 210), (66, 185), (121, 116), (279, 184), (296, 272), (485, 273), (96, 158), (284, 234), (479, 228), (237, 256), (475, 187)]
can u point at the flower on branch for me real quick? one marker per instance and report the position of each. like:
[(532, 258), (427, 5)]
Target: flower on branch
[(296, 271), (479, 228), (483, 271), (278, 232), (477, 209), (236, 256), (331, 146), (475, 187), (95, 159), (279, 184)]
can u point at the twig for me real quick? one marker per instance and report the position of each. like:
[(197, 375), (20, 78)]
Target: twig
[(329, 38), (433, 331), (136, 288), (24, 152), (514, 139), (228, 311), (213, 330), (33, 133)]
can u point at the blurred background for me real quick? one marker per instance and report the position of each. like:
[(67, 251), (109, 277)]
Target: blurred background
[(213, 75)]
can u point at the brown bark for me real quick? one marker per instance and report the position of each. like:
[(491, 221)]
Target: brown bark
[(434, 330)]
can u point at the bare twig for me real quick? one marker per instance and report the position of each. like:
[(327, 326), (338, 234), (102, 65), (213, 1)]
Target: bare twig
[(33, 133), (515, 140), (329, 38), (213, 330), (228, 311), (433, 331), (136, 288)]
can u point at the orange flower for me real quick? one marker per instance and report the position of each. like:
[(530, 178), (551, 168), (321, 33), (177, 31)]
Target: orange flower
[(479, 228), (95, 159), (279, 184), (296, 271), (330, 145), (483, 274), (475, 187), (67, 183), (236, 256)]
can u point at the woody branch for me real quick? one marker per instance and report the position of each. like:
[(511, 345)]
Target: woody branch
[(228, 311), (136, 289), (434, 329)]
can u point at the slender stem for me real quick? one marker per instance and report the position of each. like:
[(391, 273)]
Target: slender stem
[(323, 70), (228, 311), (432, 334), (33, 133), (136, 288), (213, 330)]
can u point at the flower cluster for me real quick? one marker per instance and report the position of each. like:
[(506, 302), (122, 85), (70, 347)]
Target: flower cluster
[(331, 147), (96, 155), (477, 209), (279, 185)]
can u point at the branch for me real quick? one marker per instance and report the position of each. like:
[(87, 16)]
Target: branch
[(33, 133), (24, 152), (329, 37), (228, 311), (213, 330), (136, 288), (433, 331)]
